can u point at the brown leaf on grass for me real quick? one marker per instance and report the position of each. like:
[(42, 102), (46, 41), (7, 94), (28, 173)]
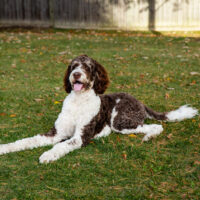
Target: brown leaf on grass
[(196, 162), (167, 96), (193, 83), (124, 156), (134, 55), (23, 61), (118, 139), (141, 76), (13, 115), (169, 136), (39, 114), (2, 114)]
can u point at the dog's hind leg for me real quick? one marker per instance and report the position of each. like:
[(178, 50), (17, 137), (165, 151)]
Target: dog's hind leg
[(129, 119), (150, 130), (49, 138)]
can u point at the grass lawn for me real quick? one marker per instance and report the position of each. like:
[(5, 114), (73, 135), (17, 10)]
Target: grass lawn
[(158, 70)]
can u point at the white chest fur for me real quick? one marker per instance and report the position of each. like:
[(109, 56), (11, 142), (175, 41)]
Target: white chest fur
[(77, 111)]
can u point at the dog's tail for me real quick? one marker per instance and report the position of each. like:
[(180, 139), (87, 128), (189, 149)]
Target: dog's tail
[(184, 112)]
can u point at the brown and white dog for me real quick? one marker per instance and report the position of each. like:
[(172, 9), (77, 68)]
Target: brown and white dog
[(87, 114)]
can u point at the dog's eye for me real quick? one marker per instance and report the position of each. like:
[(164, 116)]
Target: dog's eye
[(86, 67), (74, 66)]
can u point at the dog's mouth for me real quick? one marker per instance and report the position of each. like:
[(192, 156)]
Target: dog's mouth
[(78, 86)]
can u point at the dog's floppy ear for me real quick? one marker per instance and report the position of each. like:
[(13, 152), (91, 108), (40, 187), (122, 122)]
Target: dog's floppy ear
[(67, 84), (101, 78)]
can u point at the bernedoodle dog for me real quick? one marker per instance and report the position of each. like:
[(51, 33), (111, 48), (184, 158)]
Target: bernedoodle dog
[(88, 114)]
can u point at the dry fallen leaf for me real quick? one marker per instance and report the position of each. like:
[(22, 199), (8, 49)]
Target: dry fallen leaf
[(141, 76), (39, 114), (118, 139), (2, 114), (124, 156), (57, 102), (169, 136), (166, 96), (13, 115), (193, 83), (23, 61), (196, 162), (132, 135)]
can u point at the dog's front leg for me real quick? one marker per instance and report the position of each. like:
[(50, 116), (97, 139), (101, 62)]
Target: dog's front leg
[(32, 142), (61, 149)]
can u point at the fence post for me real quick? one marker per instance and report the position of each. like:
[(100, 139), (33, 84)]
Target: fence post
[(51, 13), (152, 13)]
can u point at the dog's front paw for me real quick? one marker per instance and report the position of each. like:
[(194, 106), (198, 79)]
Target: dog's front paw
[(4, 148), (48, 156)]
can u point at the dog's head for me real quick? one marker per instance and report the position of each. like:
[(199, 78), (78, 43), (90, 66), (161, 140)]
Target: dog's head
[(84, 74)]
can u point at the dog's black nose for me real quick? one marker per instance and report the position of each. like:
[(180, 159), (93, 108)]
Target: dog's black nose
[(77, 75)]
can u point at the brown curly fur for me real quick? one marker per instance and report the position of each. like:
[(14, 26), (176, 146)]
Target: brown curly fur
[(67, 84), (101, 80), (98, 74)]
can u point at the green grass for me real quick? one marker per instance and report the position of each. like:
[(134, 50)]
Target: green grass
[(154, 68)]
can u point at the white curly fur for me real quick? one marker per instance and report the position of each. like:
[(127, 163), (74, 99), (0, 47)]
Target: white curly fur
[(184, 112)]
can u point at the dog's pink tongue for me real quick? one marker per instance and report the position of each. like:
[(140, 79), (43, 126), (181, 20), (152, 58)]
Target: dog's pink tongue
[(78, 86)]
